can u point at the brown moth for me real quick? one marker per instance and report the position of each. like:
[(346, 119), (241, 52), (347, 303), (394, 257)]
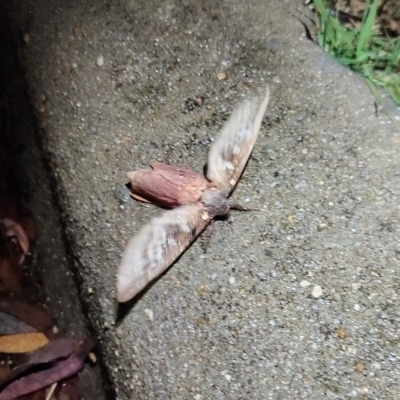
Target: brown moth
[(195, 200)]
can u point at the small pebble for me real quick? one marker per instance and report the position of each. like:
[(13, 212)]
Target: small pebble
[(100, 61), (376, 366), (336, 296), (201, 290), (317, 291), (360, 367), (98, 206), (357, 307), (301, 185), (261, 276), (322, 226), (304, 284), (228, 377), (232, 280), (221, 76), (341, 333), (214, 277), (149, 313), (121, 193), (246, 287), (351, 350)]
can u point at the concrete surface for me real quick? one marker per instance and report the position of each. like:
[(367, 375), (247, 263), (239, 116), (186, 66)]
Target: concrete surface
[(111, 83), (30, 184)]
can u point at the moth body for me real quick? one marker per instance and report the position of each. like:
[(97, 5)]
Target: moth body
[(216, 202)]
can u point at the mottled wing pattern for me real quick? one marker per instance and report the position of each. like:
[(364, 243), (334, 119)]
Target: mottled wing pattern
[(156, 246), (229, 153)]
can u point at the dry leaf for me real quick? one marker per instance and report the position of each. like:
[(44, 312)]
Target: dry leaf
[(22, 342), (37, 315), (10, 325), (10, 274), (16, 233), (56, 361), (4, 371)]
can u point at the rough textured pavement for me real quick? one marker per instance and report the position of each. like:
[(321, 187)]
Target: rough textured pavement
[(113, 84)]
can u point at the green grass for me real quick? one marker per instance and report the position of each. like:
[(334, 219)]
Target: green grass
[(372, 55)]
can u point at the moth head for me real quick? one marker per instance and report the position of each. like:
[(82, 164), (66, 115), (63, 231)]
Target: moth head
[(216, 202)]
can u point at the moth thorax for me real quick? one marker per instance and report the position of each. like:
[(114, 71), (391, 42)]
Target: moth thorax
[(216, 202)]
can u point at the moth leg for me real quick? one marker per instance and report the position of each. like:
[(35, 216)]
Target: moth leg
[(238, 207), (136, 197), (207, 235)]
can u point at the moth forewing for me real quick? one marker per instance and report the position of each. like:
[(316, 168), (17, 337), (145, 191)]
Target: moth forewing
[(167, 185), (229, 153), (156, 246)]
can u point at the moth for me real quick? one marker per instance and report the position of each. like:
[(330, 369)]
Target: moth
[(194, 200)]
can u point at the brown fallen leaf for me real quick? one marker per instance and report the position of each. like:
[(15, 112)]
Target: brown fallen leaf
[(39, 395), (16, 234), (4, 371), (56, 361), (9, 325), (37, 315), (10, 274), (11, 208), (14, 247), (22, 342)]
